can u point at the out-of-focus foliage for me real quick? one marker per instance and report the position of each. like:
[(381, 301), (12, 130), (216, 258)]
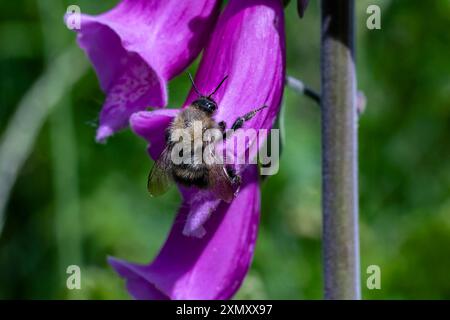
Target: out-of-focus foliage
[(404, 166)]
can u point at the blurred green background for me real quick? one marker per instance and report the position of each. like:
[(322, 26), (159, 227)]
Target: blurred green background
[(76, 202)]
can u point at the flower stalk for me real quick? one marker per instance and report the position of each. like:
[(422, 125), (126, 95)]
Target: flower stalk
[(339, 152), (302, 89)]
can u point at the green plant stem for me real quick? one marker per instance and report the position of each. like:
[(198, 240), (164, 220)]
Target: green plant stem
[(302, 89), (19, 136), (339, 152)]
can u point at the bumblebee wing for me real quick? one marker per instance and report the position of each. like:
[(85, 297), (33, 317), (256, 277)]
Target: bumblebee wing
[(219, 180), (160, 178), (220, 183)]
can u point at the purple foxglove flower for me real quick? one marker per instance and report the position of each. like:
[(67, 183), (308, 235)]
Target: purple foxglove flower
[(212, 267), (211, 244), (137, 47)]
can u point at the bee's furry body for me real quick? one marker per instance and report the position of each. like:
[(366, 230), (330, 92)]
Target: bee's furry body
[(197, 171), (221, 179)]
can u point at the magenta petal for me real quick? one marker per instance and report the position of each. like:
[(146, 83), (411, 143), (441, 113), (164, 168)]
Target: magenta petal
[(137, 47), (212, 267), (248, 45), (151, 125), (210, 263), (201, 205)]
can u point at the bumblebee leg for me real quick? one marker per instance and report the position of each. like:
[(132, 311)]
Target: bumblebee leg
[(239, 122), (222, 126), (167, 135), (235, 178)]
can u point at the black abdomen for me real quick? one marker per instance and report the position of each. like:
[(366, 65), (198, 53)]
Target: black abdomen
[(190, 175)]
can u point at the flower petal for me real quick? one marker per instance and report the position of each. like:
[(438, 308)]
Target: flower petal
[(137, 47), (248, 45), (152, 125), (212, 267), (247, 31), (202, 204)]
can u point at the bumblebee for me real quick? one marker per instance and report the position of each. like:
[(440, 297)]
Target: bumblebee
[(217, 177)]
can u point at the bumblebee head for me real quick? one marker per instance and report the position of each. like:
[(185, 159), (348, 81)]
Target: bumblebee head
[(205, 104)]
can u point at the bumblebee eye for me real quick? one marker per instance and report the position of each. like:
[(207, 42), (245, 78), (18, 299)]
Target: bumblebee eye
[(206, 104), (212, 106)]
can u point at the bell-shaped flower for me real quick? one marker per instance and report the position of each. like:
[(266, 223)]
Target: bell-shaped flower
[(211, 244), (137, 47)]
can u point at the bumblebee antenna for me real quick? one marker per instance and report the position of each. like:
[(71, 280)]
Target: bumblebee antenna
[(217, 88), (193, 84)]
